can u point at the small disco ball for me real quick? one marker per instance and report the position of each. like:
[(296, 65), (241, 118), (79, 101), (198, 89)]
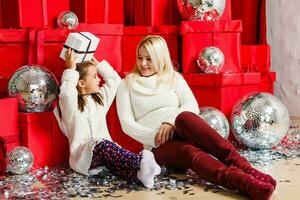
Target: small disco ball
[(68, 20), (216, 119), (259, 121), (19, 160), (35, 87), (201, 10), (211, 60)]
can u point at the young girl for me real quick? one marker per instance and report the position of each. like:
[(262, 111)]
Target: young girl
[(83, 106), (157, 108)]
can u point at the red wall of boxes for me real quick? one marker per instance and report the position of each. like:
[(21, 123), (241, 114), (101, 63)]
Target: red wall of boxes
[(27, 38)]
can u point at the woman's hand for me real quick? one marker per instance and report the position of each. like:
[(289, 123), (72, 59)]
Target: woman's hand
[(165, 133), (70, 59)]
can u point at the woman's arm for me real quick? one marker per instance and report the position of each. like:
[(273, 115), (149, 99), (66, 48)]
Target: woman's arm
[(112, 81), (186, 98), (138, 132)]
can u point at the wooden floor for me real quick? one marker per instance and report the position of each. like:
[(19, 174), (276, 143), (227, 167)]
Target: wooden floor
[(286, 172)]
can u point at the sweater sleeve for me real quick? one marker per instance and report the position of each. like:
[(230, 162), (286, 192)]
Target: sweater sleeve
[(68, 93), (186, 98), (129, 125), (112, 81)]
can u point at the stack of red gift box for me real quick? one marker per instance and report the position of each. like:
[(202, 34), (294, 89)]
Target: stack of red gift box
[(28, 37)]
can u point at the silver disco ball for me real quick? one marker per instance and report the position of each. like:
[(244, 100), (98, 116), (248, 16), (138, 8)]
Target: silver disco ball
[(35, 87), (211, 60), (201, 10), (67, 20), (216, 119), (19, 160), (259, 120)]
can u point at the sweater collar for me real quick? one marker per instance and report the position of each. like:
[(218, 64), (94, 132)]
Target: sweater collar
[(149, 85)]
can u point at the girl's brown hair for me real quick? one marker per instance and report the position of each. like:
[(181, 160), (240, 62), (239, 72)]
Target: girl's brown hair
[(82, 69)]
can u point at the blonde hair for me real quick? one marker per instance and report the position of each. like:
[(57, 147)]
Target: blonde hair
[(160, 57)]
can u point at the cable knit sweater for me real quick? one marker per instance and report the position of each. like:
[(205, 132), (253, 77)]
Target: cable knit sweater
[(85, 129), (147, 104)]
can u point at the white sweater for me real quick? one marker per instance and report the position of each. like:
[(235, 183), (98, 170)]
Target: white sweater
[(85, 129), (143, 108)]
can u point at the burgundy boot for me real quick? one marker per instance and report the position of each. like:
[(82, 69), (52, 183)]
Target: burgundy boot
[(236, 159), (191, 127), (236, 178)]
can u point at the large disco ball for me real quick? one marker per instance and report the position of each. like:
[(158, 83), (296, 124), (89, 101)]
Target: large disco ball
[(67, 20), (201, 10), (19, 160), (35, 87), (216, 119), (259, 121), (211, 60)]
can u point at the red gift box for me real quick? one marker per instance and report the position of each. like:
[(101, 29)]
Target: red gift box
[(3, 86), (50, 43), (9, 117), (227, 12), (154, 13), (267, 81), (223, 90), (95, 11), (117, 134), (134, 34), (54, 8), (41, 134), (19, 13), (2, 156), (17, 48), (226, 35), (255, 58), (10, 142)]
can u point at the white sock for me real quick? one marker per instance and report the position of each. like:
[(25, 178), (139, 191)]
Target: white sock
[(149, 155), (146, 173)]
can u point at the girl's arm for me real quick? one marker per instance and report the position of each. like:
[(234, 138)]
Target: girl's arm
[(138, 132), (112, 81), (68, 92)]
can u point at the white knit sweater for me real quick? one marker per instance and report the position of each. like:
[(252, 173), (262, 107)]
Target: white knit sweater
[(85, 129), (143, 107)]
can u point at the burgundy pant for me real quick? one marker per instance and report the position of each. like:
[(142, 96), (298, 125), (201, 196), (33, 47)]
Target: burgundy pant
[(200, 148)]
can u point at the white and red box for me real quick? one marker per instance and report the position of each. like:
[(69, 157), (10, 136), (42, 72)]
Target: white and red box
[(50, 43), (197, 35), (84, 45), (134, 34)]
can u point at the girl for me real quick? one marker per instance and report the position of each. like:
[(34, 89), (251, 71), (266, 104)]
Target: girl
[(157, 108), (83, 105)]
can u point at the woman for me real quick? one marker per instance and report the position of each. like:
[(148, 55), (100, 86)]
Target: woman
[(157, 108)]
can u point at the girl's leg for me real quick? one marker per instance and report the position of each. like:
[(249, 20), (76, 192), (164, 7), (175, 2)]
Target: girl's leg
[(191, 127), (124, 163), (183, 155)]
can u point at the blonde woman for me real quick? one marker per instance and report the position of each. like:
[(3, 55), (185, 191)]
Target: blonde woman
[(157, 108)]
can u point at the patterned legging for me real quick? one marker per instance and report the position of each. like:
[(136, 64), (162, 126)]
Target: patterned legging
[(119, 161)]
